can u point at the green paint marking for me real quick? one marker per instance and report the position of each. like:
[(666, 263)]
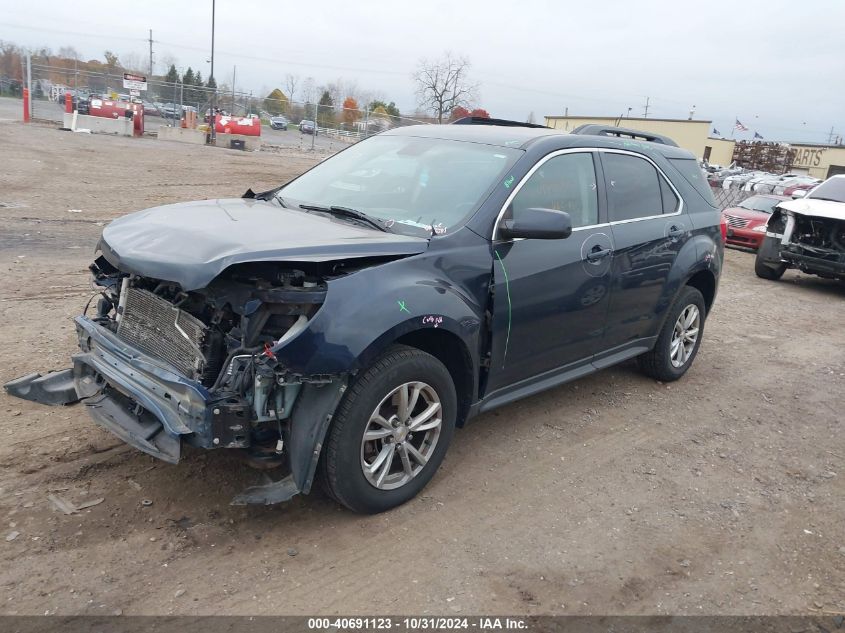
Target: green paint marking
[(508, 182), (508, 293), (402, 307)]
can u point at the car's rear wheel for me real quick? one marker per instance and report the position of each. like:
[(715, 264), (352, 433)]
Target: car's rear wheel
[(390, 432), (765, 271), (679, 339)]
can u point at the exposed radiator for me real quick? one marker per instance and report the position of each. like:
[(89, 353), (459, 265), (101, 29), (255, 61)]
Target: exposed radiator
[(156, 327)]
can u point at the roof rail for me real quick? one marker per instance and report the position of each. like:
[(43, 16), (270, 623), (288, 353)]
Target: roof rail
[(477, 120), (595, 129)]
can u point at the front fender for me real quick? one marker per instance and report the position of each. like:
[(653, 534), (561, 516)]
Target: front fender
[(366, 311)]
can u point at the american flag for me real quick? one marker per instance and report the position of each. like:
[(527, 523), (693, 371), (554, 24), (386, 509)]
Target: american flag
[(740, 127)]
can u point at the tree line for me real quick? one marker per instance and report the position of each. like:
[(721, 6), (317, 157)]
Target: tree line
[(444, 88)]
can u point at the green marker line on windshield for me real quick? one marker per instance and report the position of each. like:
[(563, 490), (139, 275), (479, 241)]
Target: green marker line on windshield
[(508, 293)]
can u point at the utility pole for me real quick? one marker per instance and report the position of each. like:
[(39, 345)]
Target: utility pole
[(645, 112), (151, 55), (234, 71), (213, 116)]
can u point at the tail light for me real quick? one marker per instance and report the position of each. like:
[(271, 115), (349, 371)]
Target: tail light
[(723, 227)]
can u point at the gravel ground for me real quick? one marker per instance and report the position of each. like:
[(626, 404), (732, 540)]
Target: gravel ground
[(719, 494)]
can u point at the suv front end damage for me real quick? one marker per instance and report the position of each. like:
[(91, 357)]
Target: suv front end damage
[(808, 235), (158, 366)]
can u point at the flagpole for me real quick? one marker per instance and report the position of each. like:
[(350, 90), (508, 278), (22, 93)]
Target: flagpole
[(733, 130)]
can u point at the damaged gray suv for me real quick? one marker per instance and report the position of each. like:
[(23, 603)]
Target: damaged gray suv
[(342, 325)]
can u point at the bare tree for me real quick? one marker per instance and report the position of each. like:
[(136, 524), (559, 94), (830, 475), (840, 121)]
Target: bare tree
[(166, 60), (291, 82), (444, 84), (134, 62), (69, 52), (308, 88)]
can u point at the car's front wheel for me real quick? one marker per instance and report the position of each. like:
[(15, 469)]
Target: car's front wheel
[(390, 432), (765, 271)]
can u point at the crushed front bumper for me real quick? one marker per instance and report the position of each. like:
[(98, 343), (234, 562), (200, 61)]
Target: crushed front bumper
[(152, 407), (832, 264), (138, 398)]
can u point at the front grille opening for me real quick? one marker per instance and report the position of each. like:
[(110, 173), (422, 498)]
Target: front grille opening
[(158, 328)]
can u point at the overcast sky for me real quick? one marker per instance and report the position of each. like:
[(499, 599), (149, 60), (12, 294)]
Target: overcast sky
[(777, 66)]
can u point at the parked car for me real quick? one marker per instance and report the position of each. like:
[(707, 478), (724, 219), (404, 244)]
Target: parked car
[(741, 179), (81, 100), (766, 182), (799, 191), (344, 324), (170, 110), (308, 127), (807, 234), (781, 188), (150, 109), (746, 222), (278, 123)]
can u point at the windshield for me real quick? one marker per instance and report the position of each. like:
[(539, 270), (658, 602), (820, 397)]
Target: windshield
[(759, 203), (416, 185), (831, 189)]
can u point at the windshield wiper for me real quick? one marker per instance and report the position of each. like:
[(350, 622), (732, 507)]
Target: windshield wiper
[(346, 212)]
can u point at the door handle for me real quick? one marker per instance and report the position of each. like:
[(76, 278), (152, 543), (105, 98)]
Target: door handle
[(676, 231), (598, 253)]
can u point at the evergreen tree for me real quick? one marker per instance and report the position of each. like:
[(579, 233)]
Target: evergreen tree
[(325, 110)]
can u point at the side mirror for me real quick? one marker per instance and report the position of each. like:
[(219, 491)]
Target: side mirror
[(537, 224), (799, 193)]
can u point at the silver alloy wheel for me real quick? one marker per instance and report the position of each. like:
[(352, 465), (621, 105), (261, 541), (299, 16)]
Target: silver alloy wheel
[(401, 435), (685, 335)]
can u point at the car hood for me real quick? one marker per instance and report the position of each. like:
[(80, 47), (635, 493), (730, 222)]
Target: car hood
[(819, 208), (748, 214), (191, 243)]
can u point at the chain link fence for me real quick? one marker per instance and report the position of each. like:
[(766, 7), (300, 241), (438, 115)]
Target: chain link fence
[(165, 102), (731, 197)]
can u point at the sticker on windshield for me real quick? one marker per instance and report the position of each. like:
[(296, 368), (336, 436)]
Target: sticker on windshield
[(509, 182)]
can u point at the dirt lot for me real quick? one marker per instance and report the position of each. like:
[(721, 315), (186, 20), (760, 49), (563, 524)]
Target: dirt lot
[(723, 493)]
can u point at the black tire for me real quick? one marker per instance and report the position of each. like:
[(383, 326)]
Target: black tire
[(341, 469), (764, 271), (657, 362)]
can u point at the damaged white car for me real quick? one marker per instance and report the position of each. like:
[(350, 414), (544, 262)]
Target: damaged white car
[(807, 234)]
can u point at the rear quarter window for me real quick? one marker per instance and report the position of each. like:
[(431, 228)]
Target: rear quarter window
[(694, 176)]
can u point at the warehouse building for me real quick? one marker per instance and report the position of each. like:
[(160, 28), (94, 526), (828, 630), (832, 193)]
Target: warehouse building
[(819, 161)]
